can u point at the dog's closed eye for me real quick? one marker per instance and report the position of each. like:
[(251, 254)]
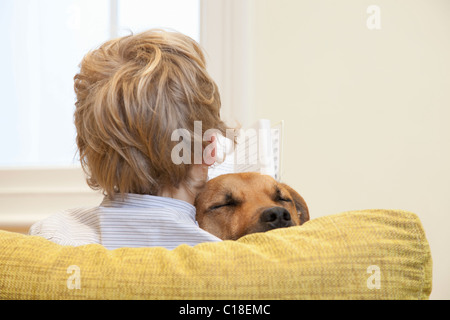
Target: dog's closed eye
[(221, 206), (229, 201), (279, 197)]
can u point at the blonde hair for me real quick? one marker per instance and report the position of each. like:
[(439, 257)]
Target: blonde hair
[(132, 93)]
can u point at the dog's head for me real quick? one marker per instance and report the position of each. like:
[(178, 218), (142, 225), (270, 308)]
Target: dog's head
[(234, 205)]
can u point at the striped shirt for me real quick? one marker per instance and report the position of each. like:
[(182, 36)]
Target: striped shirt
[(135, 221)]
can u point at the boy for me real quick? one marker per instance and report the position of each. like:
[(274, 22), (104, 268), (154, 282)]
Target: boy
[(132, 94)]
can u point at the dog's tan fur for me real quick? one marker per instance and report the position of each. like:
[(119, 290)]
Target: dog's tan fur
[(233, 205)]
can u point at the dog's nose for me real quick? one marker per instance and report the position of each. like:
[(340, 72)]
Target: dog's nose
[(276, 217)]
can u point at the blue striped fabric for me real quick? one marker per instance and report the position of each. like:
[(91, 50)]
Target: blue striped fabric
[(135, 221)]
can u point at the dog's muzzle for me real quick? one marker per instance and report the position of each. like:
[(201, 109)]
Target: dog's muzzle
[(276, 217)]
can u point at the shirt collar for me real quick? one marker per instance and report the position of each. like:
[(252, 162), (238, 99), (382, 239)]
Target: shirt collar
[(131, 200)]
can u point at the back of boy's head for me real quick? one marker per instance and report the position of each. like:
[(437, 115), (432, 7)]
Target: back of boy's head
[(132, 93)]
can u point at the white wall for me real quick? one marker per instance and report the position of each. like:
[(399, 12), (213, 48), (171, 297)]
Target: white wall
[(30, 194), (366, 111)]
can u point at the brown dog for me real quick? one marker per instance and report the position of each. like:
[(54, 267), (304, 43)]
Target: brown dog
[(234, 205)]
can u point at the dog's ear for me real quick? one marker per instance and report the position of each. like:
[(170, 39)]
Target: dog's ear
[(300, 204)]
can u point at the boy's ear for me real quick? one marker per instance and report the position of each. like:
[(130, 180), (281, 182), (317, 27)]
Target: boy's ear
[(300, 204), (210, 151)]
